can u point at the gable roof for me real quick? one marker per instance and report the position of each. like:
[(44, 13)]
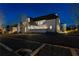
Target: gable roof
[(46, 17)]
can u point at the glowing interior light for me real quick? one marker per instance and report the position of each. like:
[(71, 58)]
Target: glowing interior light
[(50, 27), (37, 27), (40, 22)]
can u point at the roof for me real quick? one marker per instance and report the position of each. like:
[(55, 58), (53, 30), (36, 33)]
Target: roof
[(32, 23), (46, 17), (14, 25)]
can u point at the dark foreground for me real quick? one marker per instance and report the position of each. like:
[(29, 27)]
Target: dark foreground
[(39, 45)]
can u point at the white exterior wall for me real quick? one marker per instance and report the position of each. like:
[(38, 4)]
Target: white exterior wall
[(57, 25), (18, 28), (51, 25), (14, 29)]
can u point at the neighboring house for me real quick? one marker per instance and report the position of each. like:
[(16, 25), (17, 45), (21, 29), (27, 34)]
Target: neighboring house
[(2, 30), (13, 29), (50, 23)]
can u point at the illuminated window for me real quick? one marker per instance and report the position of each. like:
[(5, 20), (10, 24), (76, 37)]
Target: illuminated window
[(37, 27), (40, 22)]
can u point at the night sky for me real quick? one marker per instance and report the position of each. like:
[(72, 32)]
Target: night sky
[(12, 12)]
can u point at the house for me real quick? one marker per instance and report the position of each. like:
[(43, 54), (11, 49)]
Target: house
[(2, 30), (12, 29), (50, 23)]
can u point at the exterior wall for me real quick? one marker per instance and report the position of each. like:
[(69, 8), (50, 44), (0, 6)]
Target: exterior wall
[(18, 28), (1, 30), (24, 25), (52, 25), (57, 25), (14, 29), (63, 27), (44, 26)]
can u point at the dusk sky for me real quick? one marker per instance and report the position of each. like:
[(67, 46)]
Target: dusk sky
[(11, 12)]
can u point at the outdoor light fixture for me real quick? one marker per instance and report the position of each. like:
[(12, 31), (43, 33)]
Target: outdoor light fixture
[(50, 27)]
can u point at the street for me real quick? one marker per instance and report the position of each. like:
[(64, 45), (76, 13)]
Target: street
[(39, 45)]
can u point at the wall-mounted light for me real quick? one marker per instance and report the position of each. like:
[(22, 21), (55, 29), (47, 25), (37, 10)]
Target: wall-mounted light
[(50, 27)]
